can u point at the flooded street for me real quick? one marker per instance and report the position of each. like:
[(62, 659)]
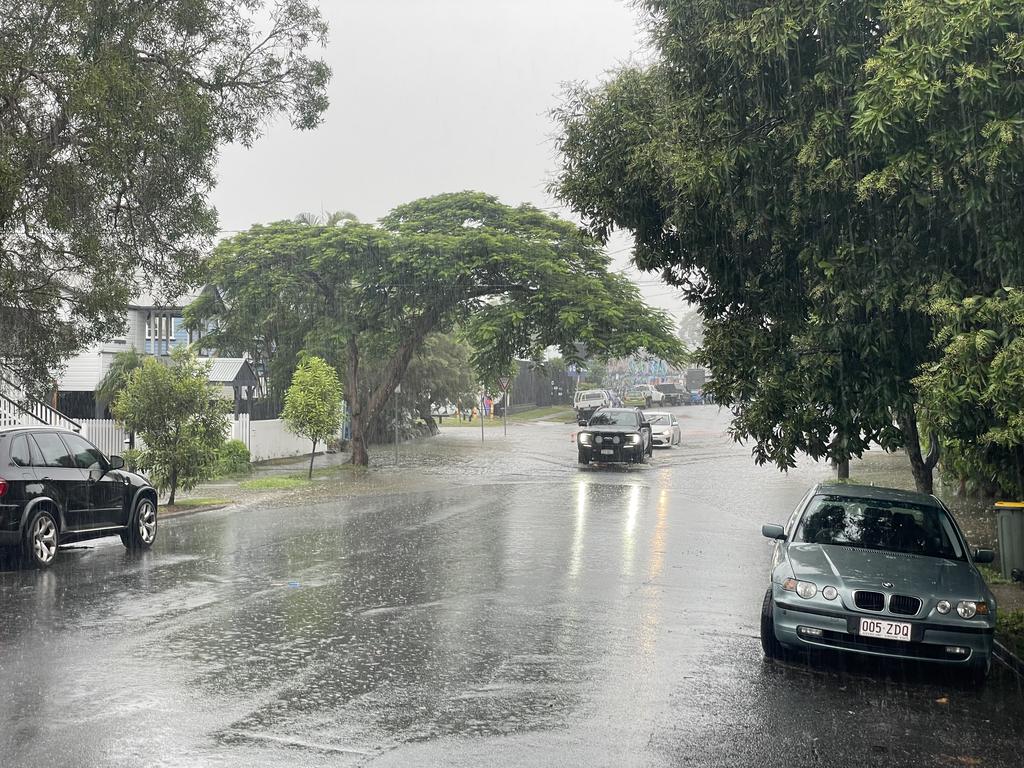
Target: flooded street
[(476, 605)]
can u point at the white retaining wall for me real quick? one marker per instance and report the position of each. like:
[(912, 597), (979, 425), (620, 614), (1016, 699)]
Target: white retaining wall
[(271, 440)]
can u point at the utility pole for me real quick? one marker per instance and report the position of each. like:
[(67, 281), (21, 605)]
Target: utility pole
[(398, 391)]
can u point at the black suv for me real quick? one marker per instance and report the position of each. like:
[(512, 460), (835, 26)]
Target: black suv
[(56, 487), (615, 435)]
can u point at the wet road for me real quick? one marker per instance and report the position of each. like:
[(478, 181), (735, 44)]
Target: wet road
[(480, 605)]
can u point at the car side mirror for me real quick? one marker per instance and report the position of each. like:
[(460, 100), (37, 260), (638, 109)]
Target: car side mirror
[(582, 422), (776, 532), (116, 462), (645, 425), (984, 556)]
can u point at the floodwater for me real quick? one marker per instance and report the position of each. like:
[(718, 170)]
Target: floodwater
[(479, 604)]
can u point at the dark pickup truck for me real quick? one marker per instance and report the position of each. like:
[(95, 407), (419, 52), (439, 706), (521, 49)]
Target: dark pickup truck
[(673, 394), (615, 436)]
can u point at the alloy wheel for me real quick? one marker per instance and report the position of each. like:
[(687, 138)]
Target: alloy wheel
[(147, 522), (44, 539)]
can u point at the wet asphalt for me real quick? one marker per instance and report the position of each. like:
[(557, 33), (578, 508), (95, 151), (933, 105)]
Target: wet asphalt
[(477, 605)]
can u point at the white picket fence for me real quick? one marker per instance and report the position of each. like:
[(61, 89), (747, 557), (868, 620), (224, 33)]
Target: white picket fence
[(265, 439), (106, 434)]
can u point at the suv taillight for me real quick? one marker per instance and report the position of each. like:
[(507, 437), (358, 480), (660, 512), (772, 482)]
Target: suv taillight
[(3, 487)]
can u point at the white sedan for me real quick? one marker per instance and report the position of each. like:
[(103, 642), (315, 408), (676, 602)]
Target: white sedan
[(664, 428)]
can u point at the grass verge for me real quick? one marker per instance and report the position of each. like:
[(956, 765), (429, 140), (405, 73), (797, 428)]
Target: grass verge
[(1010, 631), (282, 482)]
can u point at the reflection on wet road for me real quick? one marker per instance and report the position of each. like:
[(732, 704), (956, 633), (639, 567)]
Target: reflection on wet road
[(480, 605)]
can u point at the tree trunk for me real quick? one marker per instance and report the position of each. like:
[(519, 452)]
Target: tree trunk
[(174, 486), (312, 455), (920, 466), (359, 455), (843, 469), (392, 376)]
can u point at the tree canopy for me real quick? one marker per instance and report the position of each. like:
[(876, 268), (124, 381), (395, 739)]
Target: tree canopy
[(516, 280), (778, 162), (111, 116)]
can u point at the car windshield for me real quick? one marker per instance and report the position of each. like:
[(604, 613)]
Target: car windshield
[(614, 418), (659, 418), (893, 526)]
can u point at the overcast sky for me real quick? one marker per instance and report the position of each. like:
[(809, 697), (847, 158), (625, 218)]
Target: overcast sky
[(432, 96)]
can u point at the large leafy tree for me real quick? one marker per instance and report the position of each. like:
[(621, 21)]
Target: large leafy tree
[(974, 393), (515, 279), (111, 116), (763, 165), (179, 417)]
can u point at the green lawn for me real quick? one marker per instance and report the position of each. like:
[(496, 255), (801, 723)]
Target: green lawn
[(281, 482)]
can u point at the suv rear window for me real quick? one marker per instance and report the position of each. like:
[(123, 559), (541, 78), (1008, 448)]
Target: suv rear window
[(20, 454)]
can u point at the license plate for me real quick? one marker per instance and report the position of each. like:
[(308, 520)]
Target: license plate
[(890, 630), (607, 451)]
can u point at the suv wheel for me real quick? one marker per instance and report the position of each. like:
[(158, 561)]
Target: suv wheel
[(584, 458), (141, 531), (41, 539), (770, 644)]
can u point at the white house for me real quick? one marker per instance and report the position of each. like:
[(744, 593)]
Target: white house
[(151, 328)]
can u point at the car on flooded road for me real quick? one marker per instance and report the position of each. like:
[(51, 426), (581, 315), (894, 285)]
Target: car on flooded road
[(665, 431), (880, 572), (56, 488), (614, 436)]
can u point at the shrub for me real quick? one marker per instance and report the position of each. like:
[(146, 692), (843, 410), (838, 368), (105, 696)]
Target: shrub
[(233, 459)]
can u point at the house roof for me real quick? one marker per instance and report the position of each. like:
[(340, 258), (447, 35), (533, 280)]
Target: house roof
[(236, 371), (154, 301)]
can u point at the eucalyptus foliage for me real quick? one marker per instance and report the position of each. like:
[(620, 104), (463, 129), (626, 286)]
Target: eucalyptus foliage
[(111, 117)]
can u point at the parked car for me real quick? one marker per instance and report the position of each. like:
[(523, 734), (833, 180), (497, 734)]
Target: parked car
[(674, 395), (56, 487), (665, 429), (644, 396), (614, 436), (587, 401), (880, 572)]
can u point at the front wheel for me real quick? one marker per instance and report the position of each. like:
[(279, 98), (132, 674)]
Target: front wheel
[(41, 539), (584, 458), (770, 644), (141, 531)]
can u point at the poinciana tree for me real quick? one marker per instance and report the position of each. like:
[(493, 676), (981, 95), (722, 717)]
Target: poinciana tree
[(111, 118), (517, 280)]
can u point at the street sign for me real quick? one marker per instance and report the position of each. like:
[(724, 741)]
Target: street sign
[(503, 383)]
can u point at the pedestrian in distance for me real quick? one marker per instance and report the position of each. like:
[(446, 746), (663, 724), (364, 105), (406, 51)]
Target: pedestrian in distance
[(488, 403), (474, 413)]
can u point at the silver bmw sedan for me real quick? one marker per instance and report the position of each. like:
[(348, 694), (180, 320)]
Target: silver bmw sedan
[(881, 572)]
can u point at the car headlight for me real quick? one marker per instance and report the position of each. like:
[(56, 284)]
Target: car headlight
[(585, 438), (634, 439), (805, 589), (943, 607), (830, 593), (968, 609)]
